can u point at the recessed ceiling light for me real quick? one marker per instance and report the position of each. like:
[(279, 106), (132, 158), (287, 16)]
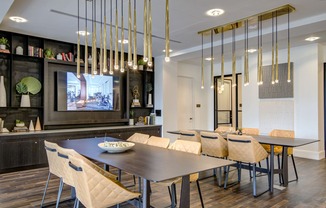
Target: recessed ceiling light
[(170, 50), (124, 41), (215, 12), (82, 32), (252, 50), (208, 59), (312, 38), (18, 19)]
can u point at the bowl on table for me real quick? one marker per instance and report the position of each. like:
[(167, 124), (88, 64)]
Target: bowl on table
[(116, 147)]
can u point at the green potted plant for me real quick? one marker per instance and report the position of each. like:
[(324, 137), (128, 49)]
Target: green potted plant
[(3, 43), (25, 86), (48, 53)]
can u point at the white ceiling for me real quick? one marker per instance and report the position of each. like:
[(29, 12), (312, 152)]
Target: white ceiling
[(187, 17)]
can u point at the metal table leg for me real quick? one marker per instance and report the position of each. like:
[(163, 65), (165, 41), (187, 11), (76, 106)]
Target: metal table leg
[(146, 196), (285, 166), (185, 192), (272, 169)]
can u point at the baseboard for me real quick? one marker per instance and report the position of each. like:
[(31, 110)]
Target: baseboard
[(309, 154)]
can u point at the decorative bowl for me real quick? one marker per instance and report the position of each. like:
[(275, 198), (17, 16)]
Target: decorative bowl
[(116, 147)]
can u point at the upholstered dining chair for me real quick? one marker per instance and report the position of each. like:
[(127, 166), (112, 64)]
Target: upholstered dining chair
[(138, 138), (94, 188), (224, 129), (252, 131), (158, 141), (184, 146), (245, 149), (278, 149), (56, 167), (189, 135)]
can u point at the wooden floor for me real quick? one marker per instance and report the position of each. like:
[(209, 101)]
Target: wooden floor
[(25, 188)]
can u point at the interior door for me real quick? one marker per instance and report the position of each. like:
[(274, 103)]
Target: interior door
[(185, 103)]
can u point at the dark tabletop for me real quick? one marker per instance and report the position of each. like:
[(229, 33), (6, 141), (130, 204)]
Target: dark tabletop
[(149, 162)]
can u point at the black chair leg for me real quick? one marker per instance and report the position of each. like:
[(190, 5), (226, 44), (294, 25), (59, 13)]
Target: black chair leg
[(200, 196), (295, 169), (250, 176)]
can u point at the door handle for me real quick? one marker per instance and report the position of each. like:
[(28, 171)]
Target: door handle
[(190, 118)]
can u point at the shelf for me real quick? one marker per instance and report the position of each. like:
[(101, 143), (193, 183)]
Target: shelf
[(27, 58), (141, 107)]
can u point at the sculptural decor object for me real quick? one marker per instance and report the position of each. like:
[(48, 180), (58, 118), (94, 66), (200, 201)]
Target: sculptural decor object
[(135, 101), (25, 86)]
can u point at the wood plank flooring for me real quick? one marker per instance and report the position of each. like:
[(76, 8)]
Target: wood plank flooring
[(25, 189)]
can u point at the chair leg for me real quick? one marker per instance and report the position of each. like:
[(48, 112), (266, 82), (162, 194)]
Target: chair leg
[(119, 175), (226, 176), (134, 177), (59, 192), (200, 196), (46, 187), (254, 180), (268, 173), (219, 177), (239, 171), (76, 202), (295, 168), (173, 196), (250, 176), (139, 184)]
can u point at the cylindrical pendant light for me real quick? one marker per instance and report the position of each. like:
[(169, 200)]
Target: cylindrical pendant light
[(150, 61), (129, 35), (86, 42), (222, 59), (273, 51), (135, 60), (116, 50), (233, 60), (94, 49), (105, 55), (111, 41), (212, 60), (122, 52), (78, 45), (276, 49), (145, 58), (289, 62), (246, 70), (202, 60), (101, 42), (167, 32)]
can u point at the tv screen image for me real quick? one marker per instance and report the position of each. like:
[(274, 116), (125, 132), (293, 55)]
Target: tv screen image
[(87, 93)]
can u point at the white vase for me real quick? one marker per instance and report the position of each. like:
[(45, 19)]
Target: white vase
[(131, 122), (3, 95), (149, 102), (25, 101), (3, 47)]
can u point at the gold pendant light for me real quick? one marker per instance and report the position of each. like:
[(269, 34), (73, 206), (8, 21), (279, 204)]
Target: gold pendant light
[(111, 41), (116, 50), (135, 39), (222, 60), (246, 62), (122, 53), (149, 28), (212, 61), (129, 35), (233, 60), (78, 46), (167, 32), (94, 49), (86, 42), (101, 43), (289, 63), (145, 58), (273, 51), (276, 49), (105, 55), (202, 61)]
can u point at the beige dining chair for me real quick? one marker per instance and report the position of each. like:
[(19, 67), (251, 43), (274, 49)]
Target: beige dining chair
[(278, 150), (252, 131), (138, 138), (56, 167), (189, 147), (95, 189), (158, 141), (225, 129), (245, 149), (189, 135)]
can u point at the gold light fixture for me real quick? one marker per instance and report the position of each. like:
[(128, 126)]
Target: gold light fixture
[(111, 41), (202, 61), (233, 60), (78, 45), (122, 52), (167, 32), (145, 58), (94, 49), (129, 35), (212, 61), (271, 14), (86, 42), (101, 42), (116, 55), (149, 28), (135, 37), (222, 60), (105, 55)]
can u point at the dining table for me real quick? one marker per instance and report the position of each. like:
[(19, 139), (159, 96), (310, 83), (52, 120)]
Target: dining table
[(152, 164), (272, 141)]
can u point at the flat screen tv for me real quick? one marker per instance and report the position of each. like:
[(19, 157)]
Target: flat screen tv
[(87, 93)]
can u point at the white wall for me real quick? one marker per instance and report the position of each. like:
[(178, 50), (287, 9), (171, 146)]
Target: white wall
[(307, 121)]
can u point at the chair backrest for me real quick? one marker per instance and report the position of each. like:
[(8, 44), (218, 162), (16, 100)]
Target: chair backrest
[(252, 131), (213, 144), (224, 129), (189, 135), (158, 141), (282, 133), (138, 138), (245, 149), (55, 164), (190, 147), (93, 189)]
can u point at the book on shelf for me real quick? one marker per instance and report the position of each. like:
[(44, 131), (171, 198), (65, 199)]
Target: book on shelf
[(20, 129)]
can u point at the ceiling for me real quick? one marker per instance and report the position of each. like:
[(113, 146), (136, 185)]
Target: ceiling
[(56, 19)]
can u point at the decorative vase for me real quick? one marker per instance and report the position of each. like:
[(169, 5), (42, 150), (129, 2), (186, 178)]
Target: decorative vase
[(25, 101), (31, 126), (149, 102), (131, 122), (38, 125), (3, 95), (3, 47)]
